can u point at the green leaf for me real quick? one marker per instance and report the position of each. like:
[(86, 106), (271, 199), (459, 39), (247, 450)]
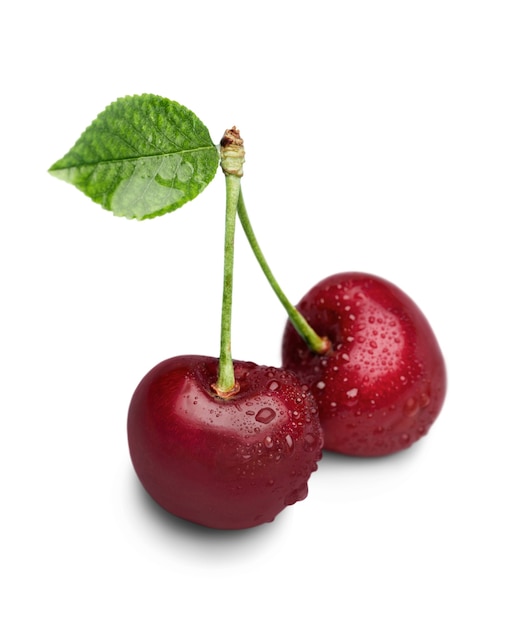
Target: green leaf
[(143, 156)]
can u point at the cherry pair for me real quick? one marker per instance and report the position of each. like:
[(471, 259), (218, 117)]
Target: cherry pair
[(229, 444)]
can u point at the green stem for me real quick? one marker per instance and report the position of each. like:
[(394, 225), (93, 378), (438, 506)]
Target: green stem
[(318, 344), (232, 158)]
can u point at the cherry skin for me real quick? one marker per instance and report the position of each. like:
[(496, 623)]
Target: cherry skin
[(223, 463), (383, 381)]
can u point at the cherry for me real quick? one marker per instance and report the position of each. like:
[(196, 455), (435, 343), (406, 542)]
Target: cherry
[(382, 382), (226, 463)]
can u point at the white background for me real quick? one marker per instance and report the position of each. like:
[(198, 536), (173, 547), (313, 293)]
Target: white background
[(381, 136)]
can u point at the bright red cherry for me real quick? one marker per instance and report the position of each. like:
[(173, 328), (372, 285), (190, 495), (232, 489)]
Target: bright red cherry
[(383, 381), (224, 463)]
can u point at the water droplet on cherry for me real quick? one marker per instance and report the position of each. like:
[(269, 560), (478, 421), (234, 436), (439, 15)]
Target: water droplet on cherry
[(411, 407), (265, 415), (309, 442), (298, 494), (425, 400)]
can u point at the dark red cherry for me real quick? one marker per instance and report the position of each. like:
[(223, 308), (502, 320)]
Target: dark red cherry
[(224, 463), (383, 382)]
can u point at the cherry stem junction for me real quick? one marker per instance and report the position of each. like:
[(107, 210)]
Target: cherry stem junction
[(317, 344), (232, 159)]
